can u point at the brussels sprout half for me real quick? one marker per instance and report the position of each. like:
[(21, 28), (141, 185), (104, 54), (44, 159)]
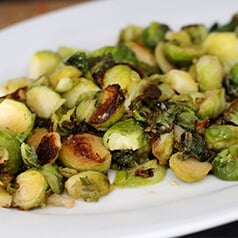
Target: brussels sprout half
[(85, 152), (31, 190), (88, 185)]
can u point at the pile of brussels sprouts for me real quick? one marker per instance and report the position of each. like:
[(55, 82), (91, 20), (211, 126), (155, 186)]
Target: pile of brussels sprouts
[(158, 99)]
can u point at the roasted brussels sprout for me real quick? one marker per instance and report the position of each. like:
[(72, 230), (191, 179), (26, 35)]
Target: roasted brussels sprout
[(125, 135), (209, 109), (162, 147), (88, 185), (130, 33), (181, 81), (231, 81), (49, 147), (53, 177), (109, 107), (209, 73), (145, 174), (221, 136), (31, 190), (198, 33), (224, 46), (10, 155), (225, 164), (85, 152), (189, 169), (16, 116), (63, 78), (83, 86), (42, 62), (182, 55), (43, 101)]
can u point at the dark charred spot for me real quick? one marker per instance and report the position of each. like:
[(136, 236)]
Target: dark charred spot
[(151, 92), (82, 147), (112, 99), (47, 150), (144, 173), (19, 95)]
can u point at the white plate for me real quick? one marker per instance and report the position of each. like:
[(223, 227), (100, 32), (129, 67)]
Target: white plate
[(171, 208)]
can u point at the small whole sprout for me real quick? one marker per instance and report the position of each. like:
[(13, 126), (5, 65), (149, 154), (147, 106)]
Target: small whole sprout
[(31, 190), (209, 73), (225, 164), (125, 135), (85, 152), (209, 109), (189, 169), (221, 136), (88, 185), (145, 174), (16, 116)]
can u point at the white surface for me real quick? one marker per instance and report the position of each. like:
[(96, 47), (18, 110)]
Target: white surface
[(170, 208)]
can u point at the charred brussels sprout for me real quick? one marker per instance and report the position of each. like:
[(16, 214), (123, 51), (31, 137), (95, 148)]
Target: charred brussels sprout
[(31, 190), (145, 174), (190, 169), (85, 152), (88, 185), (109, 107), (125, 135), (225, 164)]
